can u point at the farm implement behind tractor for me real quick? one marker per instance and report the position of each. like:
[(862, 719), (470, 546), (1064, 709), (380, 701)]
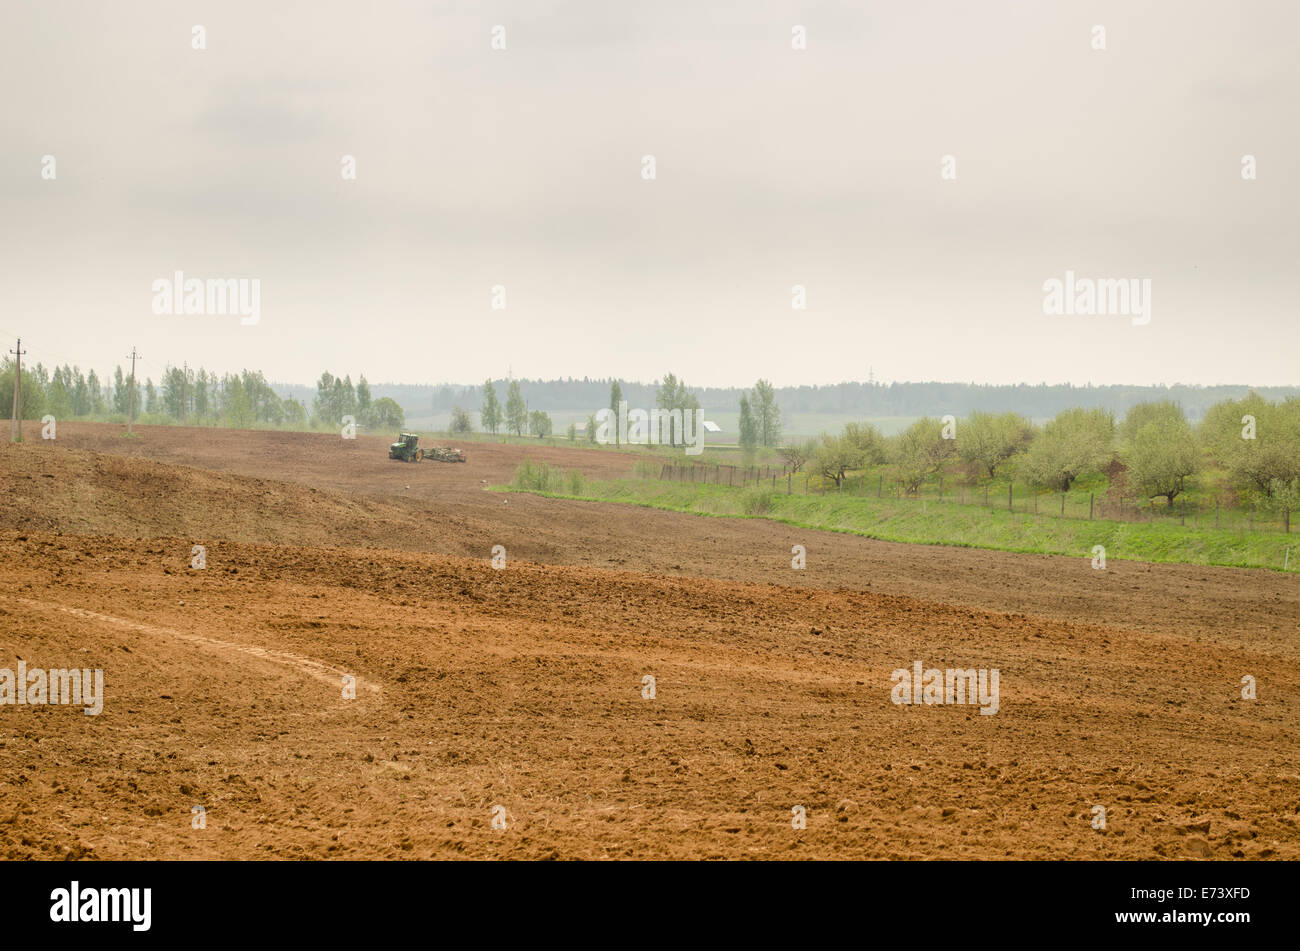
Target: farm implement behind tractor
[(444, 454), (407, 448)]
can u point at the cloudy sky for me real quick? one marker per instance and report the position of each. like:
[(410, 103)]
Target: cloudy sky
[(774, 167)]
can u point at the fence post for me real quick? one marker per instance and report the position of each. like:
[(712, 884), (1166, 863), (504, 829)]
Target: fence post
[(880, 487), (1216, 512), (787, 484), (1063, 504), (1252, 516), (1010, 485), (1091, 499), (940, 488)]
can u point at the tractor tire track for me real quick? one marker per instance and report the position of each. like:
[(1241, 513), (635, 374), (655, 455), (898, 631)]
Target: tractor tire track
[(315, 669)]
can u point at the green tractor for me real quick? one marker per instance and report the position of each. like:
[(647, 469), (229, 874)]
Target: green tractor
[(407, 448)]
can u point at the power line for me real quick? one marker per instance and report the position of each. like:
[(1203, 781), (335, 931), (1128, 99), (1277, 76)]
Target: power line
[(131, 414), (16, 425)]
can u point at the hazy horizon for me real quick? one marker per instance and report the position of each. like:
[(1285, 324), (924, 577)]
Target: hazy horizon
[(775, 167)]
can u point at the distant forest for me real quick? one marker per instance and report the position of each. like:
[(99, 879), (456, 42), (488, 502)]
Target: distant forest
[(865, 399)]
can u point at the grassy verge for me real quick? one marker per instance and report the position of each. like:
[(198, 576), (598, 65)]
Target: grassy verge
[(931, 522)]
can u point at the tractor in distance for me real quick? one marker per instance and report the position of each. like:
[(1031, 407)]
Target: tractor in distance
[(407, 448)]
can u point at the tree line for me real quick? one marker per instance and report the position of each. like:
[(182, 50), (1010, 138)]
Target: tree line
[(181, 395), (516, 419), (864, 398), (1154, 452), (197, 397)]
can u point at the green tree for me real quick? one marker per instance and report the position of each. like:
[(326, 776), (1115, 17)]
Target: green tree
[(324, 405), (1284, 498), (516, 410), (264, 402), (33, 394), (869, 441), (121, 391), (1160, 456), (1074, 443), (987, 440), (173, 392), (460, 421), (674, 397), (539, 424), (386, 414), (94, 395), (203, 384), (834, 457), (295, 414), (668, 399), (239, 409), (59, 396), (490, 412), (80, 388), (615, 398), (748, 425), (919, 452), (767, 414), (1257, 441), (796, 454), (344, 398), (1163, 413), (1159, 448)]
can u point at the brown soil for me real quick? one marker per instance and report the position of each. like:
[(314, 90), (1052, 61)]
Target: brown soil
[(522, 688)]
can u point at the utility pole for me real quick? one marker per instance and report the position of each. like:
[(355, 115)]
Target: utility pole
[(185, 381), (16, 427), (130, 418)]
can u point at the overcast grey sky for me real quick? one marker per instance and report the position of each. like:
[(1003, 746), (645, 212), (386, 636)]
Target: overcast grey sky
[(774, 167)]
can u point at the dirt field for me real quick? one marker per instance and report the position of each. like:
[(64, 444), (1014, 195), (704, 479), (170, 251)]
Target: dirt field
[(522, 688)]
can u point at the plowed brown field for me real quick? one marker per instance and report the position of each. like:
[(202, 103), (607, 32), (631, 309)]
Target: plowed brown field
[(522, 688)]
